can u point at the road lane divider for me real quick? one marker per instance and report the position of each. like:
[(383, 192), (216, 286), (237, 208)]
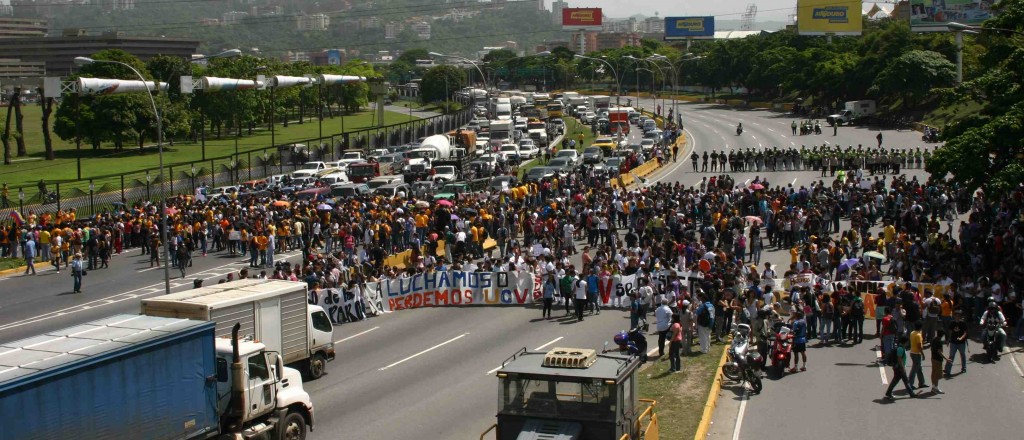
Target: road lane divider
[(424, 351), (536, 349), (356, 335), (881, 366)]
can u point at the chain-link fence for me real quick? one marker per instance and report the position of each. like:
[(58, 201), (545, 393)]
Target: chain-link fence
[(101, 193)]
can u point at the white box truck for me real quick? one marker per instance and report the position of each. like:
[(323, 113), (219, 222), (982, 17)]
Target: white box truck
[(276, 313)]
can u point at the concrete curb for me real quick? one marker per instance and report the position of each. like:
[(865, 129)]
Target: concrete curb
[(709, 407), (13, 271)]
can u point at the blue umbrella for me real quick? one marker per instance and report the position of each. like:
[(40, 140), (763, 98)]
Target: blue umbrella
[(847, 264)]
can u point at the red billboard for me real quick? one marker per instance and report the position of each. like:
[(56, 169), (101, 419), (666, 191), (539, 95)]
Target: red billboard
[(581, 18)]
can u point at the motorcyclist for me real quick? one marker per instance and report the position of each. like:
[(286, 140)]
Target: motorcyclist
[(993, 320)]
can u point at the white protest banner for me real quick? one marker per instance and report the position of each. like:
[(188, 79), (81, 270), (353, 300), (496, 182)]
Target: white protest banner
[(341, 306), (459, 288), (614, 289)]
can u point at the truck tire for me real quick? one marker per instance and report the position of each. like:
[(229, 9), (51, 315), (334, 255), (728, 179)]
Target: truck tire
[(316, 367), (294, 427)]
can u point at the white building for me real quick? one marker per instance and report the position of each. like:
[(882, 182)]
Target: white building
[(314, 22), (422, 30), (391, 30)]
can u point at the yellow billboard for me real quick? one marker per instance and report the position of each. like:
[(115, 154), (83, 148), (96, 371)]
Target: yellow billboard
[(828, 17)]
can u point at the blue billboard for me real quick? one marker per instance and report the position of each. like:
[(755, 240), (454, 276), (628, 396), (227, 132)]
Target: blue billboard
[(680, 28)]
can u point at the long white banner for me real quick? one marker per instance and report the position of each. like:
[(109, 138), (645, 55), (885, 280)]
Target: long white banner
[(458, 288)]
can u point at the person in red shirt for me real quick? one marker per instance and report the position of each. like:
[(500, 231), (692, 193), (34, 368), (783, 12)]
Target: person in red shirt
[(888, 331)]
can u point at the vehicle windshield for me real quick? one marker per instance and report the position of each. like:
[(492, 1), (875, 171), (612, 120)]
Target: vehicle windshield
[(312, 166), (420, 154), (362, 170), (592, 150), (445, 170)]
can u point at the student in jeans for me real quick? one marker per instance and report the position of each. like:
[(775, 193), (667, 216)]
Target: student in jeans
[(937, 358), (899, 372), (675, 363), (799, 341), (957, 343)]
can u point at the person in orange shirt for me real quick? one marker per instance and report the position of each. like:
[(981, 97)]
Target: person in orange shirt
[(261, 247)]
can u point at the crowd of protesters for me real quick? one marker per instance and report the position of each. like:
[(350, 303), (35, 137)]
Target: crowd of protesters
[(924, 231)]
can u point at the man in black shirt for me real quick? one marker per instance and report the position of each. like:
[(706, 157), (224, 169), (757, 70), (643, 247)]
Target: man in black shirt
[(957, 343)]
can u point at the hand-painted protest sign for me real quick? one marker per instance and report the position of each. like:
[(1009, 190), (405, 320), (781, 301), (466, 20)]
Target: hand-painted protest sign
[(344, 305), (458, 288)]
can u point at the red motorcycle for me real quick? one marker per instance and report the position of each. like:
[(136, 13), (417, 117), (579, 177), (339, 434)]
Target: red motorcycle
[(782, 350)]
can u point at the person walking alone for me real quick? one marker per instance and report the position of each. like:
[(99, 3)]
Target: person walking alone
[(675, 345), (29, 250), (937, 359), (663, 322), (581, 298), (957, 343), (897, 359), (77, 270), (549, 295), (705, 321), (917, 356)]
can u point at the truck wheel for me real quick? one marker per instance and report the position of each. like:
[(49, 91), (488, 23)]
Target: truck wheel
[(294, 427), (317, 366)]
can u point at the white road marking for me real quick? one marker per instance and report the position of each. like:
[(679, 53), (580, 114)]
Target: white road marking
[(881, 367), (425, 351), (112, 299), (794, 181), (149, 269), (754, 138), (747, 182), (549, 343), (355, 335), (1013, 360), (771, 130), (652, 351), (492, 371), (669, 172), (739, 416)]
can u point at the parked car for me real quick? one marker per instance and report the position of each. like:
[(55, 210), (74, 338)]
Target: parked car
[(347, 190), (572, 155), (592, 155), (497, 183)]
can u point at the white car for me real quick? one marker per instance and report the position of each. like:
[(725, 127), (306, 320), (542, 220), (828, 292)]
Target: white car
[(444, 173), (528, 149), (589, 118), (572, 155)]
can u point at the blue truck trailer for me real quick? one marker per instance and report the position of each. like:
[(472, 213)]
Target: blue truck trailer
[(144, 377)]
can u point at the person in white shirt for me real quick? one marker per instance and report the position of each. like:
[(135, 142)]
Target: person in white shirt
[(580, 294), (662, 321)]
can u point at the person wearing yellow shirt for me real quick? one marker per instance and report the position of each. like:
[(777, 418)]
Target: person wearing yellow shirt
[(261, 247), (794, 254), (421, 227), (917, 356), (44, 244)]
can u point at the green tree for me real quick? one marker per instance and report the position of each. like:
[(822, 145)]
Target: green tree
[(913, 75), (440, 82), (409, 57), (498, 56), (986, 150)]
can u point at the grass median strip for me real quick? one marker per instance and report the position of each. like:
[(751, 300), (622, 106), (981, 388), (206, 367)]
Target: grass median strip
[(681, 396)]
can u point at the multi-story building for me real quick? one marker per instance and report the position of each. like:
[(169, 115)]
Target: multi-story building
[(654, 25), (391, 30), (266, 11), (556, 11), (22, 27), (58, 53), (118, 5), (616, 40), (13, 68), (313, 22), (370, 23), (422, 29), (295, 57)]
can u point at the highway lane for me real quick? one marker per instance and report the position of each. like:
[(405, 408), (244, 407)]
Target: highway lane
[(840, 394)]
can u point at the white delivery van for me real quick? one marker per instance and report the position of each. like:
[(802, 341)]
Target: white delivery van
[(276, 313)]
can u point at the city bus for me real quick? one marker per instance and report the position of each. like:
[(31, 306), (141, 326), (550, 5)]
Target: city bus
[(554, 110)]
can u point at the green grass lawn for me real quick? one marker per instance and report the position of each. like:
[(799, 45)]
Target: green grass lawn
[(681, 396), (572, 128), (944, 115), (106, 162), (11, 263)]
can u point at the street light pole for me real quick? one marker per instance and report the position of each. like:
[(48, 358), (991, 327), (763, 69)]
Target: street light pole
[(477, 66), (160, 154), (615, 75)]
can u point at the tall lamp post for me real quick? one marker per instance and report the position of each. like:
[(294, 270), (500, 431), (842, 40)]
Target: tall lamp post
[(230, 53), (615, 75), (160, 153), (467, 60), (961, 29), (638, 69)]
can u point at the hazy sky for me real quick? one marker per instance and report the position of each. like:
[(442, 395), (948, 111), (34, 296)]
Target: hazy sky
[(776, 10)]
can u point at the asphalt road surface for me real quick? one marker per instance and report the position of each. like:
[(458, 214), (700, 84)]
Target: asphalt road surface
[(428, 373)]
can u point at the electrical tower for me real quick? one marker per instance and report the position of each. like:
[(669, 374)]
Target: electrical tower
[(747, 19)]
